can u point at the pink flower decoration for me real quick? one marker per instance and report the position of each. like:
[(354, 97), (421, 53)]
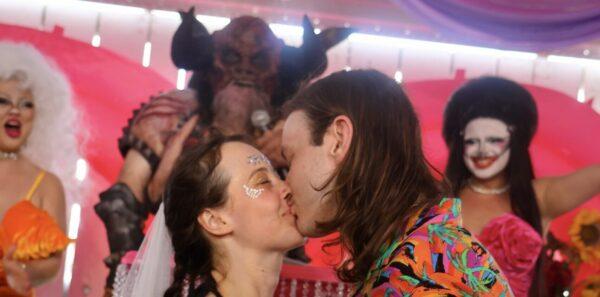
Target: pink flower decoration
[(515, 246)]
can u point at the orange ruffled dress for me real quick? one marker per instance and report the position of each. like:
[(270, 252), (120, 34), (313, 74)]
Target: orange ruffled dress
[(33, 232)]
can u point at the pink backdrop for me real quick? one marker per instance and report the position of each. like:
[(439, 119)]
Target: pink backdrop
[(108, 87)]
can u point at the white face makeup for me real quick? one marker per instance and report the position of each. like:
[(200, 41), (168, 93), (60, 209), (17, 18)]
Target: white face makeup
[(256, 160), (486, 147)]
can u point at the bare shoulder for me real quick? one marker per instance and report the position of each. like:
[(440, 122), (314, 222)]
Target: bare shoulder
[(52, 182), (51, 197), (540, 185), (52, 190), (540, 188), (50, 193)]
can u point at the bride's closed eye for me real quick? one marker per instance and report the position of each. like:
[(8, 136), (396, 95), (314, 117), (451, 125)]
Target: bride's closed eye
[(265, 182)]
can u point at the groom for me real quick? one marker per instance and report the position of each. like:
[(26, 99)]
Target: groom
[(352, 141)]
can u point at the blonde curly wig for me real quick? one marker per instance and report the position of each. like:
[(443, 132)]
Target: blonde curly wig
[(53, 144)]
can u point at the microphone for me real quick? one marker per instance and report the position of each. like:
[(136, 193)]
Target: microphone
[(260, 119)]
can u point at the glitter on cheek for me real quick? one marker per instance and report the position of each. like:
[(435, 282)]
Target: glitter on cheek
[(252, 193)]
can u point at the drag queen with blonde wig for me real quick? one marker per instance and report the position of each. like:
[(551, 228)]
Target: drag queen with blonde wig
[(38, 157)]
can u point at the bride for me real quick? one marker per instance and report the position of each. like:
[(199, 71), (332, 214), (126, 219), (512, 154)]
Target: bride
[(223, 228)]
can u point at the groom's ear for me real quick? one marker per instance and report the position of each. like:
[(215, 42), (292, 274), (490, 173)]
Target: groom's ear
[(339, 135), (214, 222)]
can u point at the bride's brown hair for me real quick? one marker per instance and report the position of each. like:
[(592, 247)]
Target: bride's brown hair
[(194, 185)]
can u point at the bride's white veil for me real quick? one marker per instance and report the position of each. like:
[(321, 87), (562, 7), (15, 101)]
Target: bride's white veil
[(151, 272)]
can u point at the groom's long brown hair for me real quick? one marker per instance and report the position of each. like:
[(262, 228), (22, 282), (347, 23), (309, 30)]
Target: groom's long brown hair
[(384, 179)]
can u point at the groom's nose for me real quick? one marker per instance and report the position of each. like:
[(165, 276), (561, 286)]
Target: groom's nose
[(289, 199), (286, 192)]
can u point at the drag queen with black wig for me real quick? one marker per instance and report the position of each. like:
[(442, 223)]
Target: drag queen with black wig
[(488, 126)]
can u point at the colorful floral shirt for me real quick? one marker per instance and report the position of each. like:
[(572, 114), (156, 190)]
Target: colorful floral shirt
[(436, 257)]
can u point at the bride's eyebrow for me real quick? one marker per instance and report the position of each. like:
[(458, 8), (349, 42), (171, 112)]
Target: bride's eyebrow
[(257, 170)]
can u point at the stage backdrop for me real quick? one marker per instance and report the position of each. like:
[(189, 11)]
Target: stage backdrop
[(108, 87)]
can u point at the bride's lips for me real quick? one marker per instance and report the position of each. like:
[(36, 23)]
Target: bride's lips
[(289, 211), (290, 214), (483, 162), (12, 127)]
